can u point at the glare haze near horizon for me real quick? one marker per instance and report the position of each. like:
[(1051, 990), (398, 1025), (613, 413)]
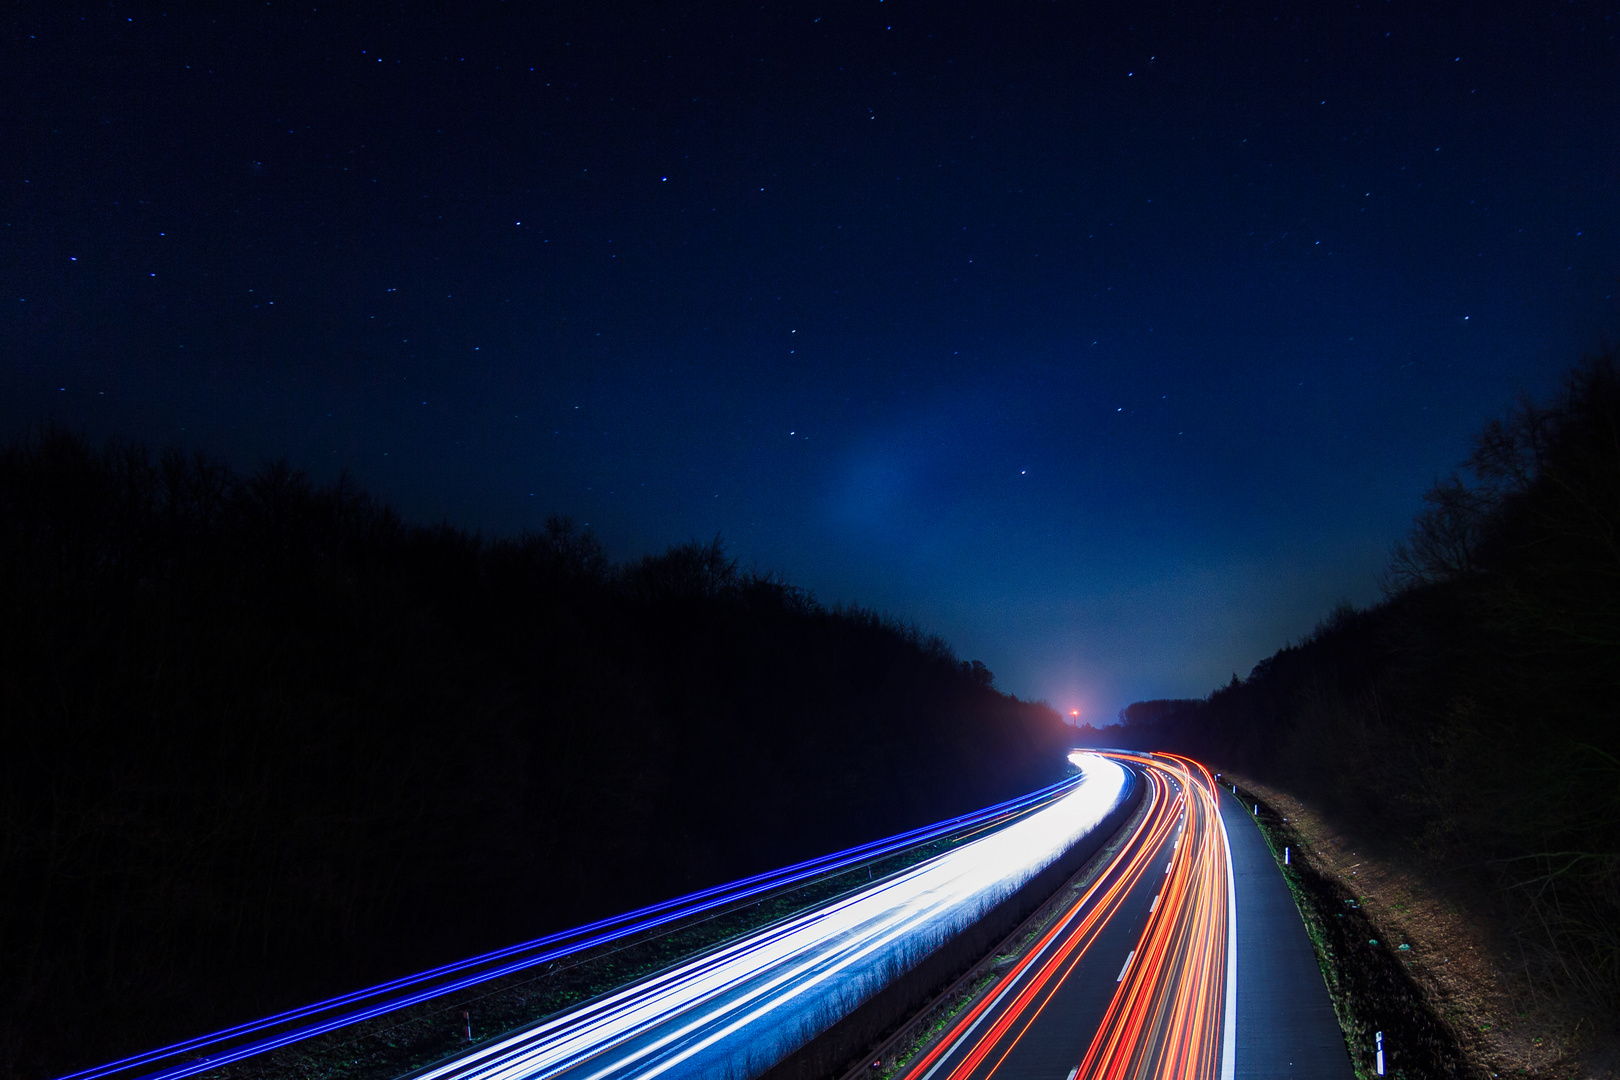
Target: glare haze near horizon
[(1115, 349)]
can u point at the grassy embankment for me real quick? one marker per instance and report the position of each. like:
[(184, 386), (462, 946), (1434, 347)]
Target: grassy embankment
[(1367, 970), (1434, 982)]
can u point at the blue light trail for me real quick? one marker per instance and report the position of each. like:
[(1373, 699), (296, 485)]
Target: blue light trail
[(238, 1042)]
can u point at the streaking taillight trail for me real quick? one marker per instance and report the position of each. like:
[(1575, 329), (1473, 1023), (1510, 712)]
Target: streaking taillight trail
[(1166, 1020), (1171, 1014)]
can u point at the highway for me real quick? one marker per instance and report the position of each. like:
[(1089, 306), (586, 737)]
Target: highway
[(1137, 977)]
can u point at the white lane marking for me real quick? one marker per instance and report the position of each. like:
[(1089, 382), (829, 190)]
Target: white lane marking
[(1168, 865), (1074, 1072), (1127, 966), (1154, 906), (1229, 1042)]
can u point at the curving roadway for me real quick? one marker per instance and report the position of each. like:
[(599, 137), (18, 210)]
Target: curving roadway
[(1137, 978)]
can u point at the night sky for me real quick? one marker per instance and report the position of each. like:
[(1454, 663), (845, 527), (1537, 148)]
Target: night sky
[(1114, 348)]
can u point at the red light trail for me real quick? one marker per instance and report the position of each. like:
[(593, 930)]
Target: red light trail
[(1169, 1015)]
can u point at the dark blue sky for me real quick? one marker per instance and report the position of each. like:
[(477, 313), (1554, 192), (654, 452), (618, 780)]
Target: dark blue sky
[(1115, 348)]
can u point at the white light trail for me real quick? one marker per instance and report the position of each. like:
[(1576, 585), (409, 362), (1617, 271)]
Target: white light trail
[(755, 1000)]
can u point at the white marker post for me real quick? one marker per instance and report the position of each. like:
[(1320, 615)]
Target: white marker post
[(1380, 1038), (1285, 856)]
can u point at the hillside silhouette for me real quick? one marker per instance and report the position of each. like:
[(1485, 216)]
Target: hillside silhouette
[(1470, 723), (264, 740)]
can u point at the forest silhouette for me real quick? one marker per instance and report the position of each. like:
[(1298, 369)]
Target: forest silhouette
[(264, 740), (1469, 724)]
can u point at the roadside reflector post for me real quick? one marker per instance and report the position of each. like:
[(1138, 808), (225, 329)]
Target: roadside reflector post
[(467, 1017), (1380, 1038), (1285, 856), (1256, 809)]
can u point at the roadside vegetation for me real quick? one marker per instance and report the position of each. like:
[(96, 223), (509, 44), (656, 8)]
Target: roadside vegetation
[(1366, 968), (264, 741), (1466, 730), (1456, 979)]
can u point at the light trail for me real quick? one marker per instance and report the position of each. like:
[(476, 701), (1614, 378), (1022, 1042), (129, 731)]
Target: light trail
[(752, 1002), (1166, 1019), (202, 1053), (1170, 1014)]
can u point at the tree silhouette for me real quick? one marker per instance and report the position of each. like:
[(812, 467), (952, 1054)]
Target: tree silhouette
[(262, 740)]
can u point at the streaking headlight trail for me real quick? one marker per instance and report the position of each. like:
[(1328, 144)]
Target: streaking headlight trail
[(750, 1003), (929, 901)]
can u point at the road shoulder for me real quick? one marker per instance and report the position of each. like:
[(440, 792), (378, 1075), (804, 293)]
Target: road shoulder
[(1286, 1026)]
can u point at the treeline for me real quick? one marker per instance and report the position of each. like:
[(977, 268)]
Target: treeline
[(1471, 721), (262, 740)]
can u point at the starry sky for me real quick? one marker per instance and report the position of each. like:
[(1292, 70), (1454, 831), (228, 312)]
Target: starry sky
[(1114, 343)]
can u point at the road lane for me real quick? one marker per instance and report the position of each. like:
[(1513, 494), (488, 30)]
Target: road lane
[(1132, 981), (1167, 1018), (1285, 1021)]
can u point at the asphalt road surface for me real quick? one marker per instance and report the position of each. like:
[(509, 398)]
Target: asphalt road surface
[(1285, 1021), (1133, 979)]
